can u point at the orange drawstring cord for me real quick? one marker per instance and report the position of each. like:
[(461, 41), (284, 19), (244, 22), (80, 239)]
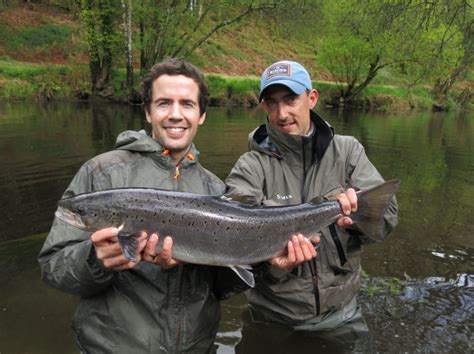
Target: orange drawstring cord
[(177, 173)]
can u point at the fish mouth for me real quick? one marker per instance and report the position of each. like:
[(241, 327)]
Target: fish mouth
[(70, 218)]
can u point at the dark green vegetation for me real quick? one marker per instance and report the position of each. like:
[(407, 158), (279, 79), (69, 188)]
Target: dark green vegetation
[(384, 55)]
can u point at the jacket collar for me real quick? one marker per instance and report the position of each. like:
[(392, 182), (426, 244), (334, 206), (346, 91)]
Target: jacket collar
[(275, 143), (143, 143)]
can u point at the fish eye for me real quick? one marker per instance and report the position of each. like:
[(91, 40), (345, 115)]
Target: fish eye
[(81, 211)]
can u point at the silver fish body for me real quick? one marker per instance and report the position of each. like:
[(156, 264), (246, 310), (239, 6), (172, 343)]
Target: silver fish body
[(212, 230)]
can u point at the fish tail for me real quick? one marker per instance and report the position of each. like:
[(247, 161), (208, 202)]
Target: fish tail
[(372, 204)]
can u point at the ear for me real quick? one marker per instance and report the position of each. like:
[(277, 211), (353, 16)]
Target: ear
[(202, 118), (148, 116), (313, 98)]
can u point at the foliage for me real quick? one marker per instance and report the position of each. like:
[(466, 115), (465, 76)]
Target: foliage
[(361, 38), (347, 57), (178, 28), (410, 44), (100, 18)]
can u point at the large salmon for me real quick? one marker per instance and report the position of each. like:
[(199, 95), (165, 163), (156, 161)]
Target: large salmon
[(216, 230)]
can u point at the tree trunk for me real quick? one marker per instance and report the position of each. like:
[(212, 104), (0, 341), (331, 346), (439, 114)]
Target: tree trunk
[(374, 68), (143, 62), (127, 33)]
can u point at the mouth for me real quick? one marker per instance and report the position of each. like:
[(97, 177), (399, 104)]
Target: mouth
[(70, 218), (175, 131), (286, 126)]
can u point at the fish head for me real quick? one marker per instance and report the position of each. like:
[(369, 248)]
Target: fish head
[(79, 212), (70, 217)]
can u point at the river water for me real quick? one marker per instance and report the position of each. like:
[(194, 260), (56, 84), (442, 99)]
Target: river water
[(418, 294)]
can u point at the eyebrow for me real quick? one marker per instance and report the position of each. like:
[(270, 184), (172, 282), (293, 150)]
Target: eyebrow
[(167, 99)]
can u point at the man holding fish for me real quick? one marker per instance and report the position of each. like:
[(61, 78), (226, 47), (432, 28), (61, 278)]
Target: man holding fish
[(294, 158), (149, 301)]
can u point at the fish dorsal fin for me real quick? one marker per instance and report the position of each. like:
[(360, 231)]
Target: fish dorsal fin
[(240, 198), (245, 274), (317, 200)]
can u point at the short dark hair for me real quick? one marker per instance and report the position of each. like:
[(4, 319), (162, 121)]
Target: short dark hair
[(174, 66)]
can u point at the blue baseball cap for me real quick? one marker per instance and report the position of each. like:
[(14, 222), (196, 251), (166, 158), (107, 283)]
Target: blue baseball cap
[(289, 73)]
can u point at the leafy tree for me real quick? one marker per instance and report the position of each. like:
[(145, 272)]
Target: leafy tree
[(363, 37), (455, 51), (100, 18), (173, 28)]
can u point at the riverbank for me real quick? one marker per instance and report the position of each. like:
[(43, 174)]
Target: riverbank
[(44, 56), (46, 82)]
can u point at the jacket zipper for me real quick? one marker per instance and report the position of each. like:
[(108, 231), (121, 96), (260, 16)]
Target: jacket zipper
[(314, 278), (312, 263), (337, 241)]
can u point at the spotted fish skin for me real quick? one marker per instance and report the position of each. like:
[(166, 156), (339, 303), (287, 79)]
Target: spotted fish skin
[(213, 230)]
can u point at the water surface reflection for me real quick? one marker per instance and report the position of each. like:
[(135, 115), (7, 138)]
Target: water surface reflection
[(429, 305)]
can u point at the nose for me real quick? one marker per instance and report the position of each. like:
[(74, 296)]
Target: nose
[(282, 110), (175, 112)]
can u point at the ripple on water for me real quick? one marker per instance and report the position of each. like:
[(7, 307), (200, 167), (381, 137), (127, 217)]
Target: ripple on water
[(435, 314)]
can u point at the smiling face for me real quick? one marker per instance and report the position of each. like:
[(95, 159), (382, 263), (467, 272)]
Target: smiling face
[(287, 111), (174, 113)]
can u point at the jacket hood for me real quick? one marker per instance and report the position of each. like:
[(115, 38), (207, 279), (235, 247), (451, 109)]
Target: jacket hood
[(137, 141), (275, 143), (140, 141)]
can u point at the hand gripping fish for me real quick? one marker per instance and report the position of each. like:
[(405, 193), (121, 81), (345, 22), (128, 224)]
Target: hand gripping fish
[(217, 230)]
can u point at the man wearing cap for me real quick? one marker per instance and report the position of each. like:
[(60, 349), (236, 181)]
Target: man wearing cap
[(293, 158)]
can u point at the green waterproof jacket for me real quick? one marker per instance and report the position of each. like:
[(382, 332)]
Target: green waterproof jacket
[(148, 309), (290, 169)]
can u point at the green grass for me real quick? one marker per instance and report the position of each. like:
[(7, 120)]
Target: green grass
[(14, 69), (41, 36), (26, 80), (237, 90), (12, 89)]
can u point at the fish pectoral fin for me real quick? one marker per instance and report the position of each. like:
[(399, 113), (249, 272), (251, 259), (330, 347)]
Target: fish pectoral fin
[(249, 200), (129, 244), (245, 274)]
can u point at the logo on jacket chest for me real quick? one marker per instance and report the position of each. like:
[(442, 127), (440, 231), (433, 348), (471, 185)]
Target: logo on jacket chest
[(283, 197)]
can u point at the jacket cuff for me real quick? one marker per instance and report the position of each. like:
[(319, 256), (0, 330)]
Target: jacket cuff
[(96, 269)]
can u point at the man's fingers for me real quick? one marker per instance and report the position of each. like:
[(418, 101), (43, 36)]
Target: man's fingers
[(352, 198), (348, 201), (291, 257), (299, 248), (108, 251), (315, 239), (307, 248), (345, 221), (150, 248), (105, 236), (142, 245), (345, 204), (166, 251), (309, 251), (116, 262)]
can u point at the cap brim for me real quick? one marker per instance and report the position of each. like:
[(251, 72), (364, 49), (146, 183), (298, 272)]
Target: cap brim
[(293, 86)]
